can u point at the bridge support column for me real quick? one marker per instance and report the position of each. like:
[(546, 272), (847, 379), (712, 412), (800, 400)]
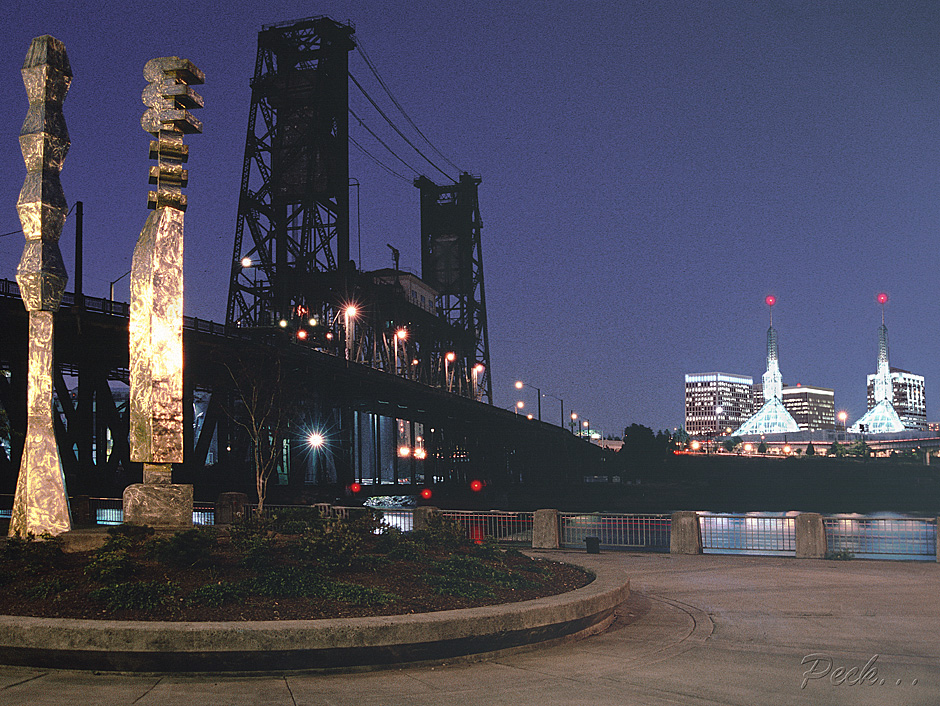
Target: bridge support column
[(545, 530), (686, 534), (810, 536)]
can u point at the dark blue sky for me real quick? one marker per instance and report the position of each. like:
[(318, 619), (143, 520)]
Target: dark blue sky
[(651, 171)]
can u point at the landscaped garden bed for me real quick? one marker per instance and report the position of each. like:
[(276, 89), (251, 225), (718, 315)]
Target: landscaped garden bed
[(294, 566)]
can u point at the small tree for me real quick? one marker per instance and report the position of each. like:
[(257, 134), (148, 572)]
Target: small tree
[(762, 449), (263, 405), (810, 449), (836, 449)]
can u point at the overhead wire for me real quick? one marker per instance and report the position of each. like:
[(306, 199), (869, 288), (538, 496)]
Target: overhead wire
[(381, 141), (395, 128), (378, 161), (398, 105)]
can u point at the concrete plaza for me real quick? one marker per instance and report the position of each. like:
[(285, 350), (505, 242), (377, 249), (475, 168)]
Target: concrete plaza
[(698, 630)]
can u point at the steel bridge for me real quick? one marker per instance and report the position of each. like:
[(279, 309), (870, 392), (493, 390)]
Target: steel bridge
[(381, 379)]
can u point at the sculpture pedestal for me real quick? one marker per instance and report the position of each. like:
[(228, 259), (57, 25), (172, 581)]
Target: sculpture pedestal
[(161, 506)]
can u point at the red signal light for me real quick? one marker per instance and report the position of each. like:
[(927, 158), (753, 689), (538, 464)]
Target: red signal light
[(882, 298), (771, 300), (476, 486), (426, 493), (355, 487)]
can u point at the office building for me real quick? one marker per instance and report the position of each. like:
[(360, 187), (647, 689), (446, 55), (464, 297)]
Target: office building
[(813, 408), (909, 400), (716, 402)]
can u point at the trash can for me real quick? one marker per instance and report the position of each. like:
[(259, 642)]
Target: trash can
[(593, 545)]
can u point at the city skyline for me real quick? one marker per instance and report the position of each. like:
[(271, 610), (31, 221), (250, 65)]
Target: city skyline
[(643, 189)]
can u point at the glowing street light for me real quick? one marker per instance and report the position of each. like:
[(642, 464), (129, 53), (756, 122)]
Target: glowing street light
[(477, 372), (574, 420), (404, 451), (246, 262), (538, 392), (316, 440), (843, 417), (400, 335), (349, 315), (519, 405), (448, 359)]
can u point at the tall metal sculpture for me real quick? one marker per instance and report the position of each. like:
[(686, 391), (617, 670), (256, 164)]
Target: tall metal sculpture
[(156, 310), (292, 236), (452, 264), (41, 503)]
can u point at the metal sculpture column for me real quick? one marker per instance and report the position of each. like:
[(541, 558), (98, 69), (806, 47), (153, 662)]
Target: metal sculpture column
[(41, 503), (156, 315)]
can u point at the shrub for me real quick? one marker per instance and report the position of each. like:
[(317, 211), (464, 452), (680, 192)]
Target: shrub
[(841, 555), (134, 595), (135, 534), (296, 520), (214, 594), (359, 595), (36, 555), (110, 565), (442, 532), (333, 546), (290, 581), (488, 548), (185, 548), (258, 553), (472, 569), (47, 588)]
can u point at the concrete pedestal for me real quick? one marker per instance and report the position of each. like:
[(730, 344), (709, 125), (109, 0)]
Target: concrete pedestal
[(162, 506), (230, 507), (545, 532), (810, 536), (686, 535)]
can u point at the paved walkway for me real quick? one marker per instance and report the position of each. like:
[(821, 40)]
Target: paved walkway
[(698, 630)]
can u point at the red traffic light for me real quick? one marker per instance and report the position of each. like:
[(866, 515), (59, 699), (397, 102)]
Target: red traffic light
[(355, 487), (476, 486), (426, 493)]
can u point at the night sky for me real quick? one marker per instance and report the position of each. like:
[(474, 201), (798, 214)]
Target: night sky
[(651, 171)]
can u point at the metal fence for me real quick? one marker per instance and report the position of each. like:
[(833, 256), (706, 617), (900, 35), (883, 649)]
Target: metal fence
[(508, 527), (748, 534), (883, 537), (616, 531)]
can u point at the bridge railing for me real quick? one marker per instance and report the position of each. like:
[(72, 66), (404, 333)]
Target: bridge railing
[(748, 534), (616, 531), (882, 537), (508, 527)]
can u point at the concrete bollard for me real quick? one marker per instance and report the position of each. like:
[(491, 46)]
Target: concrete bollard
[(545, 530), (938, 543), (422, 515), (686, 535), (810, 536)]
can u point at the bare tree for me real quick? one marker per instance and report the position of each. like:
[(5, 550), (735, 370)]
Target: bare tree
[(262, 408)]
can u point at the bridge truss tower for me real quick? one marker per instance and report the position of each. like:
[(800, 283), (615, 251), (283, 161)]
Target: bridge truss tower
[(452, 264), (292, 234)]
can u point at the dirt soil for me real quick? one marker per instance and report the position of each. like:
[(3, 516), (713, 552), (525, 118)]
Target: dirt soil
[(62, 588)]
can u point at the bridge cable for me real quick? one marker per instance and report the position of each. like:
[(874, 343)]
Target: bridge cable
[(398, 105), (396, 129), (382, 142), (378, 161)]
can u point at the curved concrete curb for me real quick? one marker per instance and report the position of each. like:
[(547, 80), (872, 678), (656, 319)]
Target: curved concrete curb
[(289, 645)]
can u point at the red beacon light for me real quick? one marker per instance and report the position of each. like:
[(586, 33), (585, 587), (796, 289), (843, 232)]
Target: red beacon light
[(476, 486), (355, 488), (426, 494), (882, 298), (771, 300)]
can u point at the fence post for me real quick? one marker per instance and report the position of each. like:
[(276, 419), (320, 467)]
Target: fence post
[(685, 534), (422, 515), (546, 532), (810, 536)]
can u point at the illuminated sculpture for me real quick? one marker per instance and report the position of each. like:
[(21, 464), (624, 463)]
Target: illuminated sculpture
[(772, 417), (883, 417), (41, 503), (156, 310)]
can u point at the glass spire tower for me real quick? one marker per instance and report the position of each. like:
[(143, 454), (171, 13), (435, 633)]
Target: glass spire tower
[(883, 417), (772, 417)]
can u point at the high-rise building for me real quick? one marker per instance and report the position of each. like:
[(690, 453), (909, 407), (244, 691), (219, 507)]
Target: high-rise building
[(909, 400), (715, 402), (812, 407)]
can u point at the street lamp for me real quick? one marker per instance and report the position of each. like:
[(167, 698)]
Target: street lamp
[(843, 417), (349, 315), (400, 335), (538, 392), (111, 295), (477, 372), (448, 359), (574, 420), (562, 407)]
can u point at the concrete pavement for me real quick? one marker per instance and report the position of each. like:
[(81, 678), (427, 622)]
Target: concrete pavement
[(698, 630)]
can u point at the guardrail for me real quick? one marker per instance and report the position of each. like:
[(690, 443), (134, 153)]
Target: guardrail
[(883, 537), (508, 527), (616, 531), (748, 534)]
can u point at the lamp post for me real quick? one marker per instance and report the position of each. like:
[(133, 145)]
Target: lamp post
[(400, 335), (574, 420), (349, 316), (562, 424), (538, 392), (111, 294), (843, 417), (448, 359), (477, 371)]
